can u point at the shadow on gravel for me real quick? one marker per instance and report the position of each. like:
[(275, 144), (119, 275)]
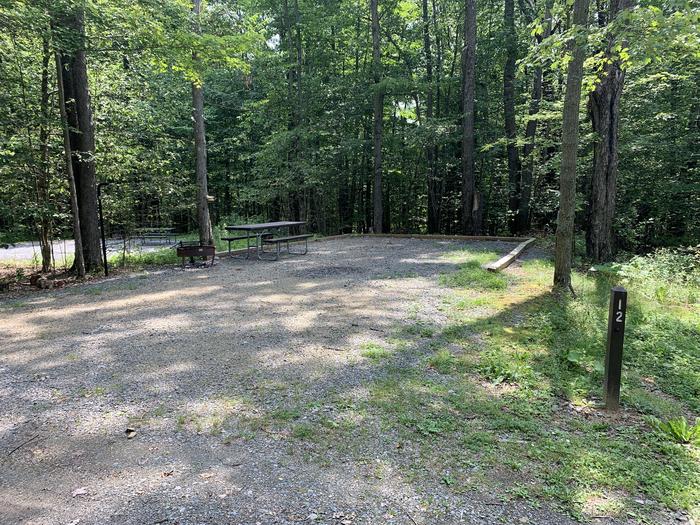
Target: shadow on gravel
[(248, 386)]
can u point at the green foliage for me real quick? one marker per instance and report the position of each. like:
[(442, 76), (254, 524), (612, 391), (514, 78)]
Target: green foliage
[(288, 114), (499, 367), (668, 275), (443, 361), (678, 430)]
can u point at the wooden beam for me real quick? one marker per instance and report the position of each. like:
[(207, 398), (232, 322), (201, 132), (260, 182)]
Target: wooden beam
[(524, 242), (508, 259), (441, 237)]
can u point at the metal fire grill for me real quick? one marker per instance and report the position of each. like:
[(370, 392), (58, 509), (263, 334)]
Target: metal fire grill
[(193, 249)]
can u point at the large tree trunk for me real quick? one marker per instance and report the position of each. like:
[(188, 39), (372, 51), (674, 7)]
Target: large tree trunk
[(569, 148), (527, 168), (470, 223), (42, 183), (79, 259), (378, 108), (82, 136), (509, 112), (604, 111), (430, 150), (200, 142)]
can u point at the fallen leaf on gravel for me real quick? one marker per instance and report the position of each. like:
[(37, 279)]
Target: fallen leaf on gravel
[(80, 492)]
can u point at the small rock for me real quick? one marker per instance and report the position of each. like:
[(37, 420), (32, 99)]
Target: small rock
[(44, 283), (130, 432), (82, 491)]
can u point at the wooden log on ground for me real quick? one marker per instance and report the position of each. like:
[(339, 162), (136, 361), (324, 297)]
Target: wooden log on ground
[(508, 259)]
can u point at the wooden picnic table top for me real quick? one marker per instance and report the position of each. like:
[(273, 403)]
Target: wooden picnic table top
[(264, 225)]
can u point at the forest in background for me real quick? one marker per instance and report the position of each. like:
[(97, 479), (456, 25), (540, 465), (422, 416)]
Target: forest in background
[(437, 116)]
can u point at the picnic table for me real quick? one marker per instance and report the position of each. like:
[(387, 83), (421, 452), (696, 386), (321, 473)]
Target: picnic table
[(262, 233)]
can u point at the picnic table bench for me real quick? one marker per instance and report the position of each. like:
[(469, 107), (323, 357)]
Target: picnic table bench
[(262, 234), (290, 238), (147, 234)]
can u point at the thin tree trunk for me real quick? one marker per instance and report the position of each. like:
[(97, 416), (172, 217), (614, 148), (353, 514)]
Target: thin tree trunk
[(569, 148), (300, 110), (527, 167), (79, 260), (82, 136), (43, 179), (430, 150), (509, 112), (604, 112), (469, 200), (378, 109), (200, 142)]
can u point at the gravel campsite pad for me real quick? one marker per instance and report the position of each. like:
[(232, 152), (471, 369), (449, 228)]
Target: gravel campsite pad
[(196, 396)]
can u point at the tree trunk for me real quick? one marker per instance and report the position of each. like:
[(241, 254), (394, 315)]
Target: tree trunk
[(42, 183), (469, 201), (569, 148), (509, 112), (430, 150), (200, 143), (604, 112), (378, 108), (82, 136), (527, 168), (79, 260)]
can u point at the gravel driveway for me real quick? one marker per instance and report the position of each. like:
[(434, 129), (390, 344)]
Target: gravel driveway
[(203, 365)]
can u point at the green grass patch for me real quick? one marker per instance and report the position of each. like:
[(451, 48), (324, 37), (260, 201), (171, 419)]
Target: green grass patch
[(472, 275), (374, 351)]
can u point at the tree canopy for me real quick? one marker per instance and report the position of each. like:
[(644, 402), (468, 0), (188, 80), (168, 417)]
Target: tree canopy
[(291, 106)]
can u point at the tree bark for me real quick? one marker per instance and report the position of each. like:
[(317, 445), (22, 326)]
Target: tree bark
[(569, 148), (430, 150), (42, 185), (527, 168), (378, 109), (82, 136), (200, 143), (604, 112), (79, 260), (509, 112), (470, 223)]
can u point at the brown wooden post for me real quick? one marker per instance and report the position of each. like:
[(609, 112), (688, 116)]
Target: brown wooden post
[(613, 355)]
